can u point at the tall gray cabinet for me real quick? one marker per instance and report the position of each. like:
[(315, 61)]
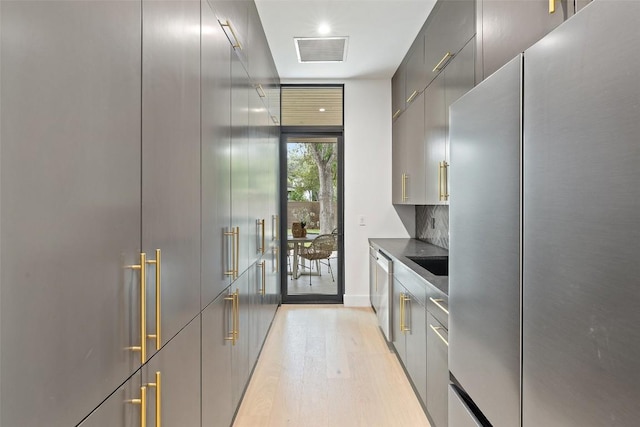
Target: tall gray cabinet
[(125, 169)]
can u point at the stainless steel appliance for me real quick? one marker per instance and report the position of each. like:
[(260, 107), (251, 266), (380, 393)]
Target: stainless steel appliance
[(545, 232), (384, 274)]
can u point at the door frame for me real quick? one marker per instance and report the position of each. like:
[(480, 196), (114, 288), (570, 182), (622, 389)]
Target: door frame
[(312, 131)]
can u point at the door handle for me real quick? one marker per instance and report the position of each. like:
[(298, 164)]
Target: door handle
[(412, 96), (443, 186), (395, 115), (405, 300), (157, 335), (443, 61), (143, 405), (260, 224), (552, 6), (263, 269), (233, 334), (437, 302), (235, 249), (158, 386), (436, 329), (142, 348), (236, 42)]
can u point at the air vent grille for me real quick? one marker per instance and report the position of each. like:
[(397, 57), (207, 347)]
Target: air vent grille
[(321, 49)]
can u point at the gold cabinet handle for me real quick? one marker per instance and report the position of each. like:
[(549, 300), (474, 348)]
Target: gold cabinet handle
[(442, 181), (443, 61), (405, 177), (552, 6), (158, 386), (236, 266), (235, 250), (260, 224), (236, 43), (412, 96), (437, 303), (405, 300), (446, 181), (157, 335), (260, 91), (232, 333), (236, 322), (401, 312), (436, 329), (143, 405), (395, 115), (263, 275), (142, 348)]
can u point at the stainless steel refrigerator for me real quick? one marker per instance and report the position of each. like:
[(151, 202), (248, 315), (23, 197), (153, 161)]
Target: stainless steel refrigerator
[(544, 278)]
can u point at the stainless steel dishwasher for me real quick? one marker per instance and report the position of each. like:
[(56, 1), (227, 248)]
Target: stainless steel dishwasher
[(384, 274)]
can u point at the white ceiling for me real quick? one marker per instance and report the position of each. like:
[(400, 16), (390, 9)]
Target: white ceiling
[(380, 33)]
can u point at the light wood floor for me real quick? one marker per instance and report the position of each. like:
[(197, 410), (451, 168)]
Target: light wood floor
[(327, 365)]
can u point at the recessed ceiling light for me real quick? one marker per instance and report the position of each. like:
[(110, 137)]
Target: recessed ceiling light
[(322, 110), (324, 29)]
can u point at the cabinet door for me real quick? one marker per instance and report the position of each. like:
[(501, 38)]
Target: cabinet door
[(416, 338), (435, 125), (511, 26), (257, 279), (453, 25), (240, 87), (437, 372), (118, 410), (413, 151), (397, 310), (240, 351), (236, 14), (217, 381), (416, 76), (258, 175), (70, 206), (215, 157), (173, 380), (397, 162), (398, 99), (171, 162)]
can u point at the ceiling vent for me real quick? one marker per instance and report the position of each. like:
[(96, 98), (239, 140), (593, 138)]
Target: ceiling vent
[(321, 49)]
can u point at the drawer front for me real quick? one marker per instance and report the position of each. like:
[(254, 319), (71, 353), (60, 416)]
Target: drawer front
[(414, 284), (438, 306), (437, 371), (459, 414)]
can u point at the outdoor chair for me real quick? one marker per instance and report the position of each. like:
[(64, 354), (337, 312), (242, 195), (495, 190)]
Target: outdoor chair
[(320, 248)]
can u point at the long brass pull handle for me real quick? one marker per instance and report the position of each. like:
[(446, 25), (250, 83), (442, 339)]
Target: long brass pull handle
[(445, 180), (442, 181), (395, 115), (405, 177), (158, 386), (436, 329), (262, 266), (143, 405), (236, 266), (260, 224), (236, 329), (552, 6), (406, 326), (412, 96), (401, 312), (260, 91), (232, 333), (437, 303), (142, 348), (236, 44), (442, 61), (232, 234), (157, 335)]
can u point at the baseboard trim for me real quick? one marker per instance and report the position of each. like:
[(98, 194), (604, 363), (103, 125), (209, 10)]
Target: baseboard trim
[(356, 301)]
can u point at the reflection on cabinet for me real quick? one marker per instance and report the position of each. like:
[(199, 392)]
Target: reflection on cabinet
[(69, 206), (408, 173), (513, 26), (123, 407)]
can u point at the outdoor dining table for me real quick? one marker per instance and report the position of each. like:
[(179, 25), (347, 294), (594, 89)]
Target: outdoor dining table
[(297, 243)]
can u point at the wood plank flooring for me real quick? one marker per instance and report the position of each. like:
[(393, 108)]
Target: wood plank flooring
[(327, 365)]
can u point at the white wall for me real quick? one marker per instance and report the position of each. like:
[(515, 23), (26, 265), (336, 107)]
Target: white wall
[(367, 181)]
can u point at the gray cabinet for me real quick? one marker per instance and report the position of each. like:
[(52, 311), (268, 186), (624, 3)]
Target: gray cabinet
[(408, 172), (451, 25), (218, 405), (416, 75), (437, 371), (172, 378), (240, 361), (121, 408), (171, 165), (513, 26), (451, 84), (69, 206), (398, 99), (410, 335), (215, 158)]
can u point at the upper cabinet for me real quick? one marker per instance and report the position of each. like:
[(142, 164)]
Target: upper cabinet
[(450, 26), (397, 91), (511, 26), (415, 73)]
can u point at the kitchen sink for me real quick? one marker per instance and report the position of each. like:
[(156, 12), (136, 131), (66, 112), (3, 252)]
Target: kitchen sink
[(436, 265)]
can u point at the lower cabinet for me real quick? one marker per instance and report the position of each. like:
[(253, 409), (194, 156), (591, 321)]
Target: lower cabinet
[(166, 391), (410, 336), (437, 371)]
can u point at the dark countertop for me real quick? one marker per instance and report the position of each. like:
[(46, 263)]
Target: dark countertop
[(400, 249)]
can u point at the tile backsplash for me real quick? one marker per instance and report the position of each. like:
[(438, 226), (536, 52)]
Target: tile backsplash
[(432, 225)]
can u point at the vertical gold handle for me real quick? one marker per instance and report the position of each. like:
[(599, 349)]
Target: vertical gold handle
[(142, 348), (157, 335), (260, 91), (552, 6), (232, 333), (405, 300), (158, 386), (236, 322), (401, 312), (405, 177), (263, 268), (235, 252), (443, 60), (443, 186), (236, 266), (260, 224), (274, 222), (236, 43), (143, 405)]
